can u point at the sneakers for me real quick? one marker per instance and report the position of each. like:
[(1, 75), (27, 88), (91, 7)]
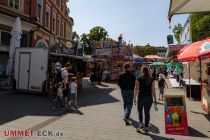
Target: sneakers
[(127, 122), (141, 126), (76, 107), (146, 130)]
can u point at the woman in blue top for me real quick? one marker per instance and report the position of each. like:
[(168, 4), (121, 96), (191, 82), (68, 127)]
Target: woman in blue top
[(145, 90)]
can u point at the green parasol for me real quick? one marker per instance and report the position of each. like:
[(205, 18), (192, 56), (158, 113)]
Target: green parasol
[(158, 64)]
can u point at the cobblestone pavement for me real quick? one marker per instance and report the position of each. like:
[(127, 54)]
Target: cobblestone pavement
[(99, 117)]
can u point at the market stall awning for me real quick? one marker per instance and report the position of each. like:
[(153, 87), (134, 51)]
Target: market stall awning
[(152, 57), (67, 55), (137, 57), (158, 64), (191, 52), (188, 6)]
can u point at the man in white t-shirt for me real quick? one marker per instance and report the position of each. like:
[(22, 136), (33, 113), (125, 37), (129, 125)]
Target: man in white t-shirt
[(65, 76), (73, 93)]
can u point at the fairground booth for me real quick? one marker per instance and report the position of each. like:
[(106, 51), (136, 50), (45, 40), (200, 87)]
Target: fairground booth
[(111, 56), (198, 53)]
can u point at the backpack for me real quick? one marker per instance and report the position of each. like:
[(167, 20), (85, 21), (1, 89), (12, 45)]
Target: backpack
[(59, 76)]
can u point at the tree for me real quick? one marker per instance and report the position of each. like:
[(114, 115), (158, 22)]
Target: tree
[(75, 36), (177, 31), (200, 27), (145, 50), (84, 38), (98, 34)]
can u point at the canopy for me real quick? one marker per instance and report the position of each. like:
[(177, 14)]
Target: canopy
[(191, 52), (137, 57), (169, 64), (188, 6), (152, 57), (158, 64)]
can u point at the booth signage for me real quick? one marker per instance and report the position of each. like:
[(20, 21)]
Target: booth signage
[(176, 115), (104, 51)]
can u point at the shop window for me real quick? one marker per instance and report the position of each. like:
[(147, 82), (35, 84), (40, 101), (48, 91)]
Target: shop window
[(39, 9), (5, 38), (15, 4)]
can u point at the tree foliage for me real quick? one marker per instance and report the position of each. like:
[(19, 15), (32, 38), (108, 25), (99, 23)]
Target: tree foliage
[(98, 33), (145, 50), (84, 38), (75, 36), (95, 34), (177, 31), (200, 26)]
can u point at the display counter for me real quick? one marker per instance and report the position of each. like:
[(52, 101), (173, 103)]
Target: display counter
[(195, 89)]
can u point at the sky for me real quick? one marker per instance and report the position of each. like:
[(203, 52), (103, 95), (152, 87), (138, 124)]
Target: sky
[(140, 21)]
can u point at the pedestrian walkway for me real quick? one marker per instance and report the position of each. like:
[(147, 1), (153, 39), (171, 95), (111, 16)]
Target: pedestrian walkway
[(99, 117)]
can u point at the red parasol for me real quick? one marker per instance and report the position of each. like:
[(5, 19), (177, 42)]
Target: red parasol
[(191, 52)]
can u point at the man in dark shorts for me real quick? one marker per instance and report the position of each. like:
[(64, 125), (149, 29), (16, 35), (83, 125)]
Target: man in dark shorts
[(65, 76)]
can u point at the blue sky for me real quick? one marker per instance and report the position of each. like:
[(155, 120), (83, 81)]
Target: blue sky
[(140, 21)]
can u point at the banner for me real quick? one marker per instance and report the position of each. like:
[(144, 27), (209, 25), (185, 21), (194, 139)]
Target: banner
[(103, 51), (176, 115)]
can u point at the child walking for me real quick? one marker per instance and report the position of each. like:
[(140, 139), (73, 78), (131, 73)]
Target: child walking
[(73, 93), (161, 85)]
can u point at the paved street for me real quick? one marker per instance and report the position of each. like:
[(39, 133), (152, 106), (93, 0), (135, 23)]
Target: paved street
[(99, 118)]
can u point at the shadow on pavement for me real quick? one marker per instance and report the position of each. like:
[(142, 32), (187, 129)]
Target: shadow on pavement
[(155, 137), (17, 105), (95, 94), (195, 133), (152, 128), (207, 116)]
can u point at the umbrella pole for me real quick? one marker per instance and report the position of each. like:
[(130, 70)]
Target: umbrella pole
[(189, 81)]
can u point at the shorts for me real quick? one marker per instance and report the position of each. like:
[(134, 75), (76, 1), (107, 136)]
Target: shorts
[(161, 90), (73, 96), (65, 93)]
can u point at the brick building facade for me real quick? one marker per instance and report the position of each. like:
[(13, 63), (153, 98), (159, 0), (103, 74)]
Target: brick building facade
[(44, 23)]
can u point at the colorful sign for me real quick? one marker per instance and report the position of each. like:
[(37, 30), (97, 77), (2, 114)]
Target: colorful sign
[(176, 115)]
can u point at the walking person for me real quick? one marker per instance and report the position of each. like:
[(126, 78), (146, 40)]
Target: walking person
[(127, 85), (161, 85), (65, 76), (145, 90), (73, 93)]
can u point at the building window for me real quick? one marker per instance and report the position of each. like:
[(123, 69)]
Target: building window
[(5, 39), (59, 27), (58, 2), (62, 7), (61, 34), (47, 16), (54, 22), (15, 4), (39, 9)]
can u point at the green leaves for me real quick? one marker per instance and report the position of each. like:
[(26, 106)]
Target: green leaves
[(177, 31), (75, 36), (200, 26), (97, 33), (145, 50)]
